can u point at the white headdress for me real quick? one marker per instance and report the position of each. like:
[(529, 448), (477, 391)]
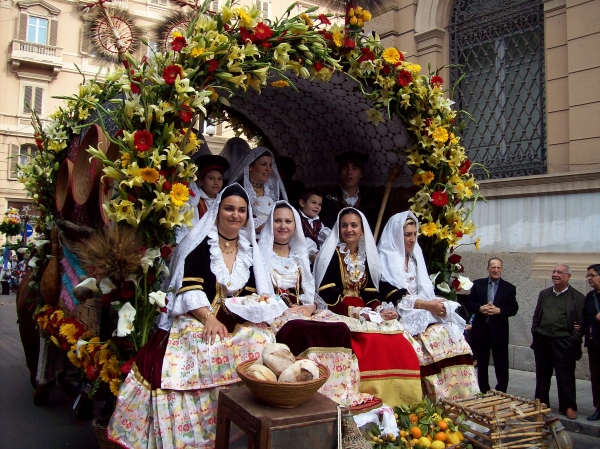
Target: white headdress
[(234, 151), (298, 251), (199, 233), (392, 254), (240, 172), (329, 246)]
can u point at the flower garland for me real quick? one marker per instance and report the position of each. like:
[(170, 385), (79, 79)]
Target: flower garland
[(11, 224)]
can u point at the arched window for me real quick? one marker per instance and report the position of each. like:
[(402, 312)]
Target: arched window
[(499, 45)]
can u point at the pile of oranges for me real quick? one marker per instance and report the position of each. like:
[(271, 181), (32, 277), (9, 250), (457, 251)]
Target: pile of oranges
[(421, 427)]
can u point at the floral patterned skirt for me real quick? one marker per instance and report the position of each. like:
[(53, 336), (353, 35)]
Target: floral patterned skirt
[(447, 370), (183, 412)]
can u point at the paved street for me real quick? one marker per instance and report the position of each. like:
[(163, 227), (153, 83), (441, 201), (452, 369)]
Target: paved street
[(55, 426)]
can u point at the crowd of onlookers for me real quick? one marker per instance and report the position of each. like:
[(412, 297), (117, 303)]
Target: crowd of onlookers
[(12, 272)]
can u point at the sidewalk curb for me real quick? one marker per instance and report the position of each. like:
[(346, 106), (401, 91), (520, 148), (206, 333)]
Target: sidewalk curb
[(580, 427)]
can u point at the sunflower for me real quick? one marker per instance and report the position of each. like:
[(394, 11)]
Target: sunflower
[(179, 194), (115, 384), (69, 331), (149, 175), (391, 55), (72, 355), (427, 177), (429, 229)]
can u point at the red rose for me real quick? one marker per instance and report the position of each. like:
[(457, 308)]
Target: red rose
[(166, 186), (178, 44), (262, 31), (212, 65), (437, 80), (465, 167), (247, 35), (404, 78), (166, 251), (107, 299), (455, 284), (439, 198), (127, 290), (324, 19), (171, 72), (349, 43), (186, 114), (462, 268), (367, 55), (135, 88), (143, 140), (127, 366), (454, 259), (385, 70)]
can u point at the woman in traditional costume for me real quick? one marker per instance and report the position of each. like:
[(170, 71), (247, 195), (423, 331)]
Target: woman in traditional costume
[(169, 398), (347, 272), (205, 190), (322, 336), (437, 329), (257, 172)]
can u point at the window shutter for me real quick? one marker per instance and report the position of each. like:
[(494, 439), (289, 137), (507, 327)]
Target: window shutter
[(265, 9), (39, 97), (14, 157), (27, 99), (53, 32), (214, 5), (22, 27)]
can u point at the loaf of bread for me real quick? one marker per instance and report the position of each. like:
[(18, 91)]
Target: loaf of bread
[(300, 371), (277, 357), (261, 372)]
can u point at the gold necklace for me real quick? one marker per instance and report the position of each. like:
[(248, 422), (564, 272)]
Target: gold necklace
[(257, 185), (230, 251), (280, 253)]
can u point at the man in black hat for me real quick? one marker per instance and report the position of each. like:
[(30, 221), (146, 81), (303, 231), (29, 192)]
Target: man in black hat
[(351, 166)]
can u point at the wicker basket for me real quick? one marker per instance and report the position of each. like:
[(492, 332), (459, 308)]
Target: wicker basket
[(106, 190), (102, 437), (63, 184), (86, 174), (87, 312), (282, 394)]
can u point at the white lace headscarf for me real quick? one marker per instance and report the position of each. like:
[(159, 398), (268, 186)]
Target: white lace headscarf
[(329, 246), (392, 254), (298, 252), (273, 187), (198, 234)]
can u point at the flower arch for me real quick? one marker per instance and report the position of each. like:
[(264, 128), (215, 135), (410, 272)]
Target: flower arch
[(216, 63)]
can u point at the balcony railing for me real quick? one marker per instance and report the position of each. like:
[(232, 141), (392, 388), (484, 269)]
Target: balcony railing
[(33, 54)]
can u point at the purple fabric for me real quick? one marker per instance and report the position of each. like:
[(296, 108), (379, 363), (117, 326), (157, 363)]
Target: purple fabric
[(300, 335), (149, 359)]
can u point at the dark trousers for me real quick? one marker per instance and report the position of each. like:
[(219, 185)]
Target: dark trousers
[(594, 362), (483, 343), (5, 287), (555, 354)]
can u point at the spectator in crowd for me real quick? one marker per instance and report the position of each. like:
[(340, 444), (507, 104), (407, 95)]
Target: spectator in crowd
[(493, 301), (591, 328), (557, 340)]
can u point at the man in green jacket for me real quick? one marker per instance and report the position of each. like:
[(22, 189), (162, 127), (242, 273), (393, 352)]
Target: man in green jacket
[(557, 337)]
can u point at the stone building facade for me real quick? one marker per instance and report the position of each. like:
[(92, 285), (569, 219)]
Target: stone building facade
[(534, 221)]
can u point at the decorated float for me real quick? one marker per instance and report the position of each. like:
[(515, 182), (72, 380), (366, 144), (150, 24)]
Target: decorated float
[(112, 175)]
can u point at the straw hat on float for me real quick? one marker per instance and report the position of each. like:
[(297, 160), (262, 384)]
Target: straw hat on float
[(86, 172), (106, 187), (64, 180)]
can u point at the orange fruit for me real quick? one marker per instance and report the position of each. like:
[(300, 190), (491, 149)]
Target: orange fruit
[(443, 425), (415, 432), (441, 436), (413, 418), (403, 433), (429, 437)]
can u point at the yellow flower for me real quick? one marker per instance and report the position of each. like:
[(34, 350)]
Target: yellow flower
[(391, 55), (427, 177), (415, 68), (176, 34), (57, 315), (54, 340), (366, 15), (415, 159), (453, 139), (358, 11), (337, 33), (122, 209), (125, 159), (197, 52), (306, 19), (104, 356), (280, 83), (429, 229), (68, 331), (72, 355), (440, 135), (477, 243), (359, 22), (115, 384), (179, 194), (150, 175), (417, 179), (353, 21)]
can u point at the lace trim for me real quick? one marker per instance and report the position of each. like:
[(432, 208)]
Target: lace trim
[(355, 265), (241, 268)]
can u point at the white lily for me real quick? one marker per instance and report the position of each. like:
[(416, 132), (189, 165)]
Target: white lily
[(465, 283), (80, 344), (89, 283), (444, 287), (433, 277), (126, 317), (32, 262), (148, 259), (158, 298), (107, 286), (40, 243)]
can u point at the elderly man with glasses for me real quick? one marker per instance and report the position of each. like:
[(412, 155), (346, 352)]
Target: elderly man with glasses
[(557, 334)]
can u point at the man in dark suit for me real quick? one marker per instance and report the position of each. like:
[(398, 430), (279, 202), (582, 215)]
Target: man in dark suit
[(493, 301), (556, 331)]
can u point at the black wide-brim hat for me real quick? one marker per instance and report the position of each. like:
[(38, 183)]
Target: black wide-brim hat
[(352, 157), (210, 162)]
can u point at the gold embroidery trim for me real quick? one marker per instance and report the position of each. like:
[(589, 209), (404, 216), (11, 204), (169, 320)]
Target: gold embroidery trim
[(410, 372), (250, 289), (391, 293), (138, 377), (326, 286), (189, 288), (320, 350), (369, 289), (193, 279)]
